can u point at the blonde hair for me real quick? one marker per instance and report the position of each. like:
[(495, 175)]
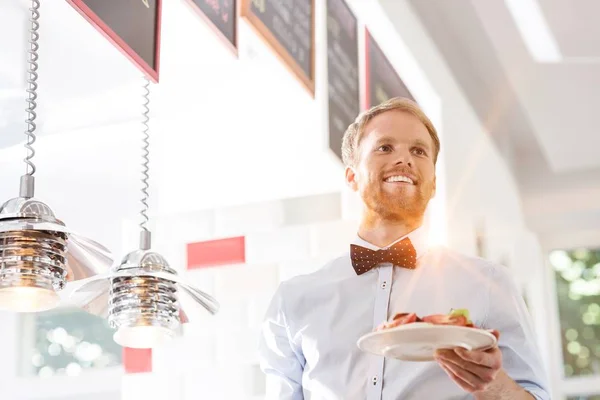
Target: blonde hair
[(356, 130)]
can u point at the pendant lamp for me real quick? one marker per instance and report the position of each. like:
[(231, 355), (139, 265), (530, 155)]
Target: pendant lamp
[(38, 253), (143, 298)]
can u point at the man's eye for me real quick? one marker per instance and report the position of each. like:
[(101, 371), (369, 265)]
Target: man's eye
[(385, 147), (420, 151)]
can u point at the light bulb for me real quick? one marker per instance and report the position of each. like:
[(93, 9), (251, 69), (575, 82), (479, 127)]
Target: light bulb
[(143, 337), (28, 299)]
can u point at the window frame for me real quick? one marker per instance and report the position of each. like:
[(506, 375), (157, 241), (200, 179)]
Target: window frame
[(547, 320)]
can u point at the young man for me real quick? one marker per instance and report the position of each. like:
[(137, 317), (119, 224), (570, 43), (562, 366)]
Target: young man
[(309, 341)]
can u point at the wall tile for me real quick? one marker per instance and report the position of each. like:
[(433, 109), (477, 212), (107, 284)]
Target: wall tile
[(207, 383), (257, 309), (332, 239), (151, 386), (290, 269), (312, 209), (203, 279), (137, 360), (351, 205), (196, 348), (219, 383), (216, 252), (257, 380), (244, 281), (271, 247), (240, 220), (185, 227), (237, 346), (233, 313)]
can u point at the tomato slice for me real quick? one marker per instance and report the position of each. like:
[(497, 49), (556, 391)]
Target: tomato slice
[(405, 318), (442, 319), (399, 319)]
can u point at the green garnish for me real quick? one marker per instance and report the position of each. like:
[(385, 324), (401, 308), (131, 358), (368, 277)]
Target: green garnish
[(461, 311)]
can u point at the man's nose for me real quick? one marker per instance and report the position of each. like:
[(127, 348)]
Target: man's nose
[(404, 158)]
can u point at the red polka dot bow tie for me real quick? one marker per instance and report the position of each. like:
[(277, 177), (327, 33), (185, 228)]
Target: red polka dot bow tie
[(401, 254)]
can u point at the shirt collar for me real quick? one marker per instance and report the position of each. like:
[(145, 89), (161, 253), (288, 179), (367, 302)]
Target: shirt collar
[(418, 238)]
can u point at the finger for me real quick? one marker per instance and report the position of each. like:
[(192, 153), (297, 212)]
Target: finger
[(483, 374), (459, 381), (495, 333), (473, 382), (491, 358)]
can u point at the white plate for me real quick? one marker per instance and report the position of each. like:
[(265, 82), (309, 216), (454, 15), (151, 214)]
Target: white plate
[(418, 341)]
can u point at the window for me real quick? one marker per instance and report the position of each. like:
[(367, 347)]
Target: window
[(577, 275), (584, 398), (66, 342)]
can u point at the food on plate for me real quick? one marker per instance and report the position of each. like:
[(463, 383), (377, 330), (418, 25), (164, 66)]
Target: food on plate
[(458, 317)]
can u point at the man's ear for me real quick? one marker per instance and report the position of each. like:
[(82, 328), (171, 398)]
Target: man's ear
[(351, 178), (434, 187)]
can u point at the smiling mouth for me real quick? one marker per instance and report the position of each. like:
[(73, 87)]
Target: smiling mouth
[(399, 179)]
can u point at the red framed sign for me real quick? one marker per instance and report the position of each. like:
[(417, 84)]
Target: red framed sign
[(288, 28), (133, 26), (382, 80), (222, 17), (342, 71)]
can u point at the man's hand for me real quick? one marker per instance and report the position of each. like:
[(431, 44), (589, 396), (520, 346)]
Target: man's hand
[(474, 371)]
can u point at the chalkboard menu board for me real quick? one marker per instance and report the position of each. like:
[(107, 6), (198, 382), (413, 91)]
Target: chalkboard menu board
[(133, 26), (220, 15), (383, 81), (342, 71), (288, 26)]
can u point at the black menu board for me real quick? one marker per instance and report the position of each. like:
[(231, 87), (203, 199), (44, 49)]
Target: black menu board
[(133, 26), (342, 71), (288, 26), (222, 16), (383, 81)]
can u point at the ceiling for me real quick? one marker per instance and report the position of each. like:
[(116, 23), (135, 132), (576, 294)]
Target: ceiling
[(542, 115)]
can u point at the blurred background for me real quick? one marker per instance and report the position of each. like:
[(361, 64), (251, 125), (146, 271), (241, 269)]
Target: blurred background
[(247, 190)]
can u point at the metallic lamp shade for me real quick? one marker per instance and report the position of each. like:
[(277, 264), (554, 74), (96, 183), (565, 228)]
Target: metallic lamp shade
[(142, 303), (144, 300), (39, 255)]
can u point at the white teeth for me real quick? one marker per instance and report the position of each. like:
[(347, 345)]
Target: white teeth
[(399, 178)]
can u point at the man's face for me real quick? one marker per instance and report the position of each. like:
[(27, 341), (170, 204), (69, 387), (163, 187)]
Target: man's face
[(394, 171)]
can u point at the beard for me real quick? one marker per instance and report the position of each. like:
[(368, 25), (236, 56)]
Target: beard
[(398, 204)]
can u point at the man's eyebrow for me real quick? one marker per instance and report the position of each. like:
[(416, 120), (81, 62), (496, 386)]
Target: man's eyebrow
[(422, 143), (384, 139)]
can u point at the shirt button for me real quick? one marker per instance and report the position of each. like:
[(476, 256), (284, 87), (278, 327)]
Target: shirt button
[(375, 380), (383, 284)]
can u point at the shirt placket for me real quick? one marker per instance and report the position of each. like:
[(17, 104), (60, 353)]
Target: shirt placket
[(380, 314)]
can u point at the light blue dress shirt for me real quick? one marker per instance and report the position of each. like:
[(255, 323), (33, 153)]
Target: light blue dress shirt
[(308, 344)]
